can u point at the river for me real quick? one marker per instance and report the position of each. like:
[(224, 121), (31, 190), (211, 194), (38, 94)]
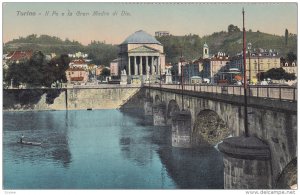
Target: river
[(101, 149)]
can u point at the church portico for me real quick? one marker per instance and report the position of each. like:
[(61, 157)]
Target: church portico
[(142, 57)]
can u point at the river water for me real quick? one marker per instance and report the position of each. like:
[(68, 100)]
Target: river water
[(101, 149)]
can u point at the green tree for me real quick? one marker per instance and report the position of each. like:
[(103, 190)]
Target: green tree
[(232, 29), (37, 72), (105, 72), (278, 74), (291, 57), (286, 36)]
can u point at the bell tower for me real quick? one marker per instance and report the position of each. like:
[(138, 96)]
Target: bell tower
[(205, 51)]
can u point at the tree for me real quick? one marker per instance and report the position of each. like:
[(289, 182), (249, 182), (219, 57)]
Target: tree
[(37, 72), (232, 29), (277, 74), (286, 36), (291, 57), (105, 72)]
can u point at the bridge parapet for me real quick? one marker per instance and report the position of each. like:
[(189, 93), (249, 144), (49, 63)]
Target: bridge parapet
[(267, 100), (284, 93)]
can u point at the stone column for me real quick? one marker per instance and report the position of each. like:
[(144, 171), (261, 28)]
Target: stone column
[(141, 65), (129, 68), (247, 163), (147, 68), (152, 65), (182, 129), (135, 67)]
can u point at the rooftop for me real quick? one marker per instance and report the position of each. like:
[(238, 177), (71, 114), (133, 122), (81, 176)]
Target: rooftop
[(141, 37)]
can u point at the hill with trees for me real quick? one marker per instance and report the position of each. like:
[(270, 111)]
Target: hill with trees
[(189, 46), (230, 42), (99, 52)]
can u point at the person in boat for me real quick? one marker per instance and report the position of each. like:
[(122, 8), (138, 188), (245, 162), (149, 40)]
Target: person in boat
[(21, 138)]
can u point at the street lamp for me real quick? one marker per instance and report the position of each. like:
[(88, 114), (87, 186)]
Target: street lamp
[(181, 63)]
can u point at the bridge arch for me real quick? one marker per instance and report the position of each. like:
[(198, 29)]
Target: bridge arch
[(288, 177), (209, 128), (171, 109)]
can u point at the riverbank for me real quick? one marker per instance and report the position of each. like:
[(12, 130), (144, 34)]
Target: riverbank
[(66, 99)]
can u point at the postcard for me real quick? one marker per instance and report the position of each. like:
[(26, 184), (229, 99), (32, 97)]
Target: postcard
[(160, 95)]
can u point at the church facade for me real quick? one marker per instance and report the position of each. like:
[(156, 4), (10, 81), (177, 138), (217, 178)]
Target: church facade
[(142, 57)]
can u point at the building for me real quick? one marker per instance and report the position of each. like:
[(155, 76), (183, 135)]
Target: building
[(78, 63), (289, 67), (78, 55), (76, 75), (162, 33), (182, 62), (114, 67), (192, 70), (205, 54), (17, 57), (99, 69), (257, 61), (141, 56)]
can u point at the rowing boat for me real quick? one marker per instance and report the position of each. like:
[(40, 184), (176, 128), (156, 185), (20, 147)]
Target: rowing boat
[(30, 143)]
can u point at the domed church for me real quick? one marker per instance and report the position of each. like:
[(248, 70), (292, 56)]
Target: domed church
[(142, 57)]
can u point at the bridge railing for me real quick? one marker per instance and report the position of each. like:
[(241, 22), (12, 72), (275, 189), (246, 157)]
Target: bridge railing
[(288, 93)]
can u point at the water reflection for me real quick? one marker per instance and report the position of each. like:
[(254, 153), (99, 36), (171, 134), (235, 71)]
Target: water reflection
[(200, 168), (101, 149), (48, 128), (134, 142)]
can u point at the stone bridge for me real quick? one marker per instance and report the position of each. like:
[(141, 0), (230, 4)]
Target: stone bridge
[(265, 159)]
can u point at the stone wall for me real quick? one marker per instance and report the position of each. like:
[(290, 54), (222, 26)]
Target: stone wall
[(63, 99), (273, 121)]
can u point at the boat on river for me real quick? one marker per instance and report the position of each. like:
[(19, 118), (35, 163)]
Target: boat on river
[(30, 143)]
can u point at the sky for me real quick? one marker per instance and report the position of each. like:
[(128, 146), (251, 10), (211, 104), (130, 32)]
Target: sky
[(177, 18)]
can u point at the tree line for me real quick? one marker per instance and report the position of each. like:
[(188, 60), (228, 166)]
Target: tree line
[(189, 46)]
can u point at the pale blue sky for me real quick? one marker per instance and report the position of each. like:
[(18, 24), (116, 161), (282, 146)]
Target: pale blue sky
[(178, 18)]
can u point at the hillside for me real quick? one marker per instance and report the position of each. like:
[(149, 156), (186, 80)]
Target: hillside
[(190, 45), (230, 43), (99, 52)]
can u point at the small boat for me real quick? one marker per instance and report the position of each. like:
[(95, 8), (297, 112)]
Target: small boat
[(30, 143), (89, 109)]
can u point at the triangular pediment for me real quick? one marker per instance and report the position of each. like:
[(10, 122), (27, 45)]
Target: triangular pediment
[(143, 49)]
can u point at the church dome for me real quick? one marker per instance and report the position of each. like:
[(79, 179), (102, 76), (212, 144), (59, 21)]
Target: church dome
[(141, 37)]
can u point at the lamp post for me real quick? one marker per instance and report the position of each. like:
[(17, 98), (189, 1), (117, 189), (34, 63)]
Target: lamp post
[(11, 83), (245, 78), (181, 63)]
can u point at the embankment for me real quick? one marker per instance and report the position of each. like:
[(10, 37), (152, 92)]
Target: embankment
[(66, 99)]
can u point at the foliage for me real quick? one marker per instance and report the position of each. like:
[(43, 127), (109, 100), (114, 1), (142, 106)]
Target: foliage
[(232, 29), (37, 72), (101, 53), (291, 57), (277, 74), (286, 36), (189, 46), (105, 72)]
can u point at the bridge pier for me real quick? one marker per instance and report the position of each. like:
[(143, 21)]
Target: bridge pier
[(159, 114), (181, 129), (148, 106), (247, 163)]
